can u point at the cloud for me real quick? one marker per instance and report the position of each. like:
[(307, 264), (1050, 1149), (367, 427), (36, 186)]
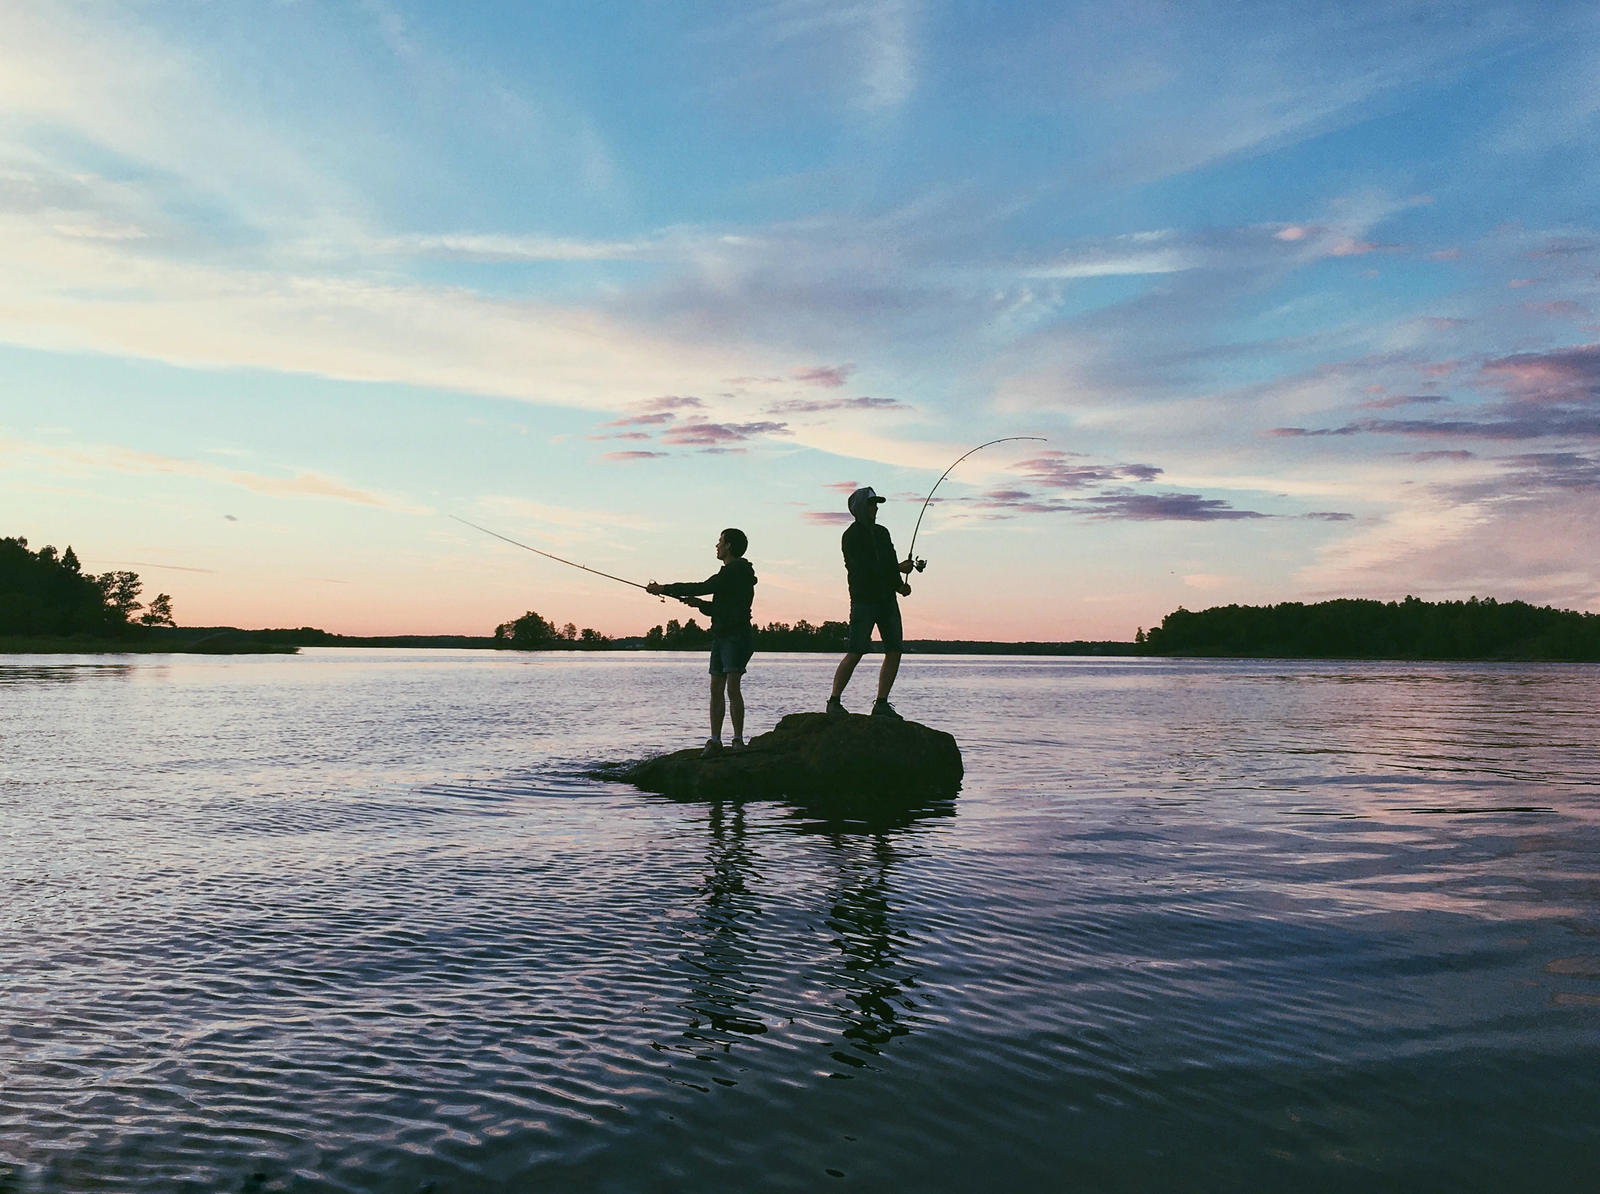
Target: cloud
[(1395, 400), (302, 484), (704, 434), (657, 419), (1060, 470), (626, 456), (1560, 376), (806, 406), (832, 376), (1154, 507), (828, 517)]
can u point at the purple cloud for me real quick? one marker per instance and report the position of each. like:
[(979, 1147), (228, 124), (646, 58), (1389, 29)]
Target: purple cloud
[(651, 420), (1563, 377), (1402, 400), (831, 376), (1153, 507), (805, 406), (629, 456), (827, 517), (630, 435), (719, 435), (1059, 470), (669, 402), (1328, 516)]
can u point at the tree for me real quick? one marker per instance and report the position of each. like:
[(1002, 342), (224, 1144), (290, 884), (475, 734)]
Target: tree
[(159, 612), (121, 593), (528, 633)]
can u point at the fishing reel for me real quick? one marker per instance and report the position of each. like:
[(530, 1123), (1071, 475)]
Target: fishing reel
[(919, 565)]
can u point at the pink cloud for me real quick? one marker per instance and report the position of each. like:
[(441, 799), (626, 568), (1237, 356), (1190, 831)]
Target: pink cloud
[(827, 517), (831, 376), (624, 457), (1565, 376)]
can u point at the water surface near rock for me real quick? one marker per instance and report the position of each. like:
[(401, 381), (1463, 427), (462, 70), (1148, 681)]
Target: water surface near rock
[(814, 757)]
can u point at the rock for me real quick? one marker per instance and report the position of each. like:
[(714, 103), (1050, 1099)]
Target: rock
[(812, 757)]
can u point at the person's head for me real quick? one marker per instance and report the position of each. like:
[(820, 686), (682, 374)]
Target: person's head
[(864, 504), (731, 543)]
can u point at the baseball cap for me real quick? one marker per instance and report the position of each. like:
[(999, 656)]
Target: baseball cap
[(859, 499)]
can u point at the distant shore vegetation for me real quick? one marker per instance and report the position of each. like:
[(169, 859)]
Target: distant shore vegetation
[(1350, 628), (48, 603), (47, 598)]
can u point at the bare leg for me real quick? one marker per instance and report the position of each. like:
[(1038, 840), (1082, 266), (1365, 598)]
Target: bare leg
[(887, 673), (717, 685), (841, 677), (736, 704)]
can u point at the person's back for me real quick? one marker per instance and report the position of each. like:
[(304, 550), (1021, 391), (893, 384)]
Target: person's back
[(869, 564)]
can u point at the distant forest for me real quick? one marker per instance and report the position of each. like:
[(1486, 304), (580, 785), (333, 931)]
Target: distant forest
[(46, 594), (1358, 629)]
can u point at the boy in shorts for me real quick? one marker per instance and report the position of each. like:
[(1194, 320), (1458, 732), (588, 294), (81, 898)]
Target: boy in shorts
[(733, 638)]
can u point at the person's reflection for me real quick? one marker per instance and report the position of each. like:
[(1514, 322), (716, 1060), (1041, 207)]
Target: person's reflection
[(720, 991), (875, 976)]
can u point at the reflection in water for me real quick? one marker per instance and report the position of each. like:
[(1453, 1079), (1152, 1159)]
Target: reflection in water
[(719, 1003), (34, 673), (742, 954), (875, 975)]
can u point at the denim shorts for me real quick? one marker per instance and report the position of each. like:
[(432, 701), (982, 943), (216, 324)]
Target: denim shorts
[(731, 652), (885, 615)]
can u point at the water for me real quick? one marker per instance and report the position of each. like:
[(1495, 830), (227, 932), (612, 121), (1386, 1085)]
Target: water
[(353, 920)]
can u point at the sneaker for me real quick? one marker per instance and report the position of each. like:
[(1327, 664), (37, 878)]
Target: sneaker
[(835, 705), (882, 708), (713, 747)]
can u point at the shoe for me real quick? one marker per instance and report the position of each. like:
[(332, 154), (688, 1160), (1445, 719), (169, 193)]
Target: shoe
[(737, 743), (713, 747), (836, 706), (882, 708)]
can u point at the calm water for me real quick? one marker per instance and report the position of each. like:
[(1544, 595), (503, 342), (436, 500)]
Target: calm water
[(353, 921)]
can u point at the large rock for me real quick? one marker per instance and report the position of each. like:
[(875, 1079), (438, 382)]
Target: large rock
[(815, 757)]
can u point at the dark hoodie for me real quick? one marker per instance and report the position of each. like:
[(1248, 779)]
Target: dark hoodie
[(732, 589)]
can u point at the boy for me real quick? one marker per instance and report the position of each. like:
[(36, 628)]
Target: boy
[(875, 578), (733, 638)]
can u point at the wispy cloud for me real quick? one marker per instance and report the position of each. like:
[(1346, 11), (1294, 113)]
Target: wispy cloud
[(703, 434), (808, 406)]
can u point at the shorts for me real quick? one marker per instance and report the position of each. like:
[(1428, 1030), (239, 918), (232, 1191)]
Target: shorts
[(885, 615), (731, 652)]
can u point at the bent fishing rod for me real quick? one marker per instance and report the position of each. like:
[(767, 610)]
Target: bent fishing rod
[(549, 555), (911, 551)]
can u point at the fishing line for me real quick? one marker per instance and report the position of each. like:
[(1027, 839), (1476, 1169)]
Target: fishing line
[(911, 551), (548, 555)]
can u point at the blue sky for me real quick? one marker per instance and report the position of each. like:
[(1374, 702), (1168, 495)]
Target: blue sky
[(1305, 303)]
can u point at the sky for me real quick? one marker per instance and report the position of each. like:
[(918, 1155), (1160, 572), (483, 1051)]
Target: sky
[(1303, 300)]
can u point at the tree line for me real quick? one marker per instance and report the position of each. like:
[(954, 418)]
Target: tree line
[(1352, 628), (46, 594), (531, 632)]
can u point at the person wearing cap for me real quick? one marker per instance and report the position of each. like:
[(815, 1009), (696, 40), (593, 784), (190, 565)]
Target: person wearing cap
[(877, 581), (733, 637)]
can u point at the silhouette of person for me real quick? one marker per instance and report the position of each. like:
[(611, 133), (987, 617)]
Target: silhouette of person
[(876, 582), (733, 638)]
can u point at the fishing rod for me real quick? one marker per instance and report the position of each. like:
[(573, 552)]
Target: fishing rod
[(548, 555), (911, 551)]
